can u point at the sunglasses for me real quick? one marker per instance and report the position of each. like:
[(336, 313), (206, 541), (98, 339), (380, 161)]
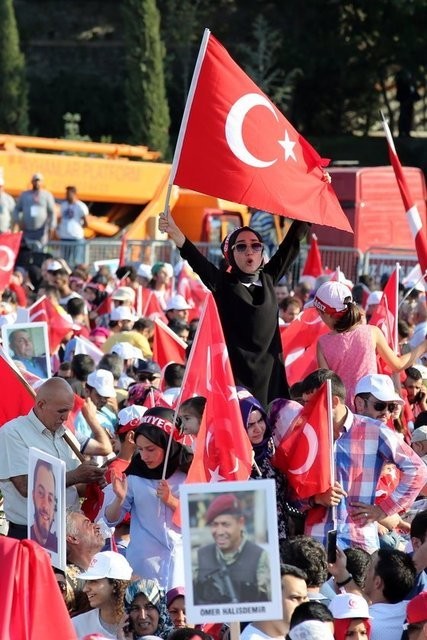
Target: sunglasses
[(241, 247), (143, 377), (382, 406)]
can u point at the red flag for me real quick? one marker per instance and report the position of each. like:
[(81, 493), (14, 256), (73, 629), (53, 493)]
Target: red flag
[(9, 247), (167, 346), (31, 606), (58, 325), (412, 213), (105, 307), (223, 450), (313, 264), (303, 455), (385, 317), (299, 342), (152, 308), (235, 144), (123, 250), (17, 397)]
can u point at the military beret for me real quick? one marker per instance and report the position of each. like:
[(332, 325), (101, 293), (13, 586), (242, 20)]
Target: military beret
[(226, 503)]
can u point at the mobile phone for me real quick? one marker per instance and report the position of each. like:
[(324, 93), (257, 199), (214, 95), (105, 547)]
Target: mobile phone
[(332, 546)]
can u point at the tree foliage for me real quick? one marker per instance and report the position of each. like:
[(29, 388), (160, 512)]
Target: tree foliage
[(13, 85), (145, 90)]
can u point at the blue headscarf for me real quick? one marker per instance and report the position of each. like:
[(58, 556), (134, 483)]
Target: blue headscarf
[(248, 404), (156, 596)]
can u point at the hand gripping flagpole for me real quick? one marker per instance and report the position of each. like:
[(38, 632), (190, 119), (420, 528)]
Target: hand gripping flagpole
[(331, 445), (187, 109)]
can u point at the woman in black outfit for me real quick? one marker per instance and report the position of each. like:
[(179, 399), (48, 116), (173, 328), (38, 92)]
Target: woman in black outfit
[(246, 302)]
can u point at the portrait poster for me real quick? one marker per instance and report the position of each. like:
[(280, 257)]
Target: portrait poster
[(27, 344), (46, 504), (231, 551)]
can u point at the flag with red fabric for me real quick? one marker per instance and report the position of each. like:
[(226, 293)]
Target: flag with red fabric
[(151, 306), (385, 317), (31, 605), (235, 144), (17, 397), (412, 213), (303, 455), (223, 450), (167, 346), (58, 324), (299, 341), (9, 248), (313, 264)]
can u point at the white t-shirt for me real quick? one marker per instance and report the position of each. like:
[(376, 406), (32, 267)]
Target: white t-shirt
[(252, 633), (387, 620), (89, 622), (70, 225)]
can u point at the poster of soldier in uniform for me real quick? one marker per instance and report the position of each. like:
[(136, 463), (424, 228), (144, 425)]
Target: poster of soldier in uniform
[(231, 553)]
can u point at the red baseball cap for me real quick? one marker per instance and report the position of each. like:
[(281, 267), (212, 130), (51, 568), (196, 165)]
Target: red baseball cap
[(416, 611)]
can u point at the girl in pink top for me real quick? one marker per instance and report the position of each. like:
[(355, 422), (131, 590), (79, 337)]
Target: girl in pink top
[(351, 347)]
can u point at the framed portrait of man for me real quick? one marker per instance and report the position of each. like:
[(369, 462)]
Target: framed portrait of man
[(231, 551), (46, 504), (27, 344)]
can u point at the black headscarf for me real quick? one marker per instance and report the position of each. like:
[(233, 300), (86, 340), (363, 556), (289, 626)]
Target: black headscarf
[(156, 426), (226, 248)]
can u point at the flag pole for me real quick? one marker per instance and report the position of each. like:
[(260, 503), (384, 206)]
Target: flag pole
[(331, 445), (395, 331), (187, 109)]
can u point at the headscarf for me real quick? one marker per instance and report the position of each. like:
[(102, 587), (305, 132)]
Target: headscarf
[(227, 250), (156, 596), (248, 404), (156, 426), (341, 627)]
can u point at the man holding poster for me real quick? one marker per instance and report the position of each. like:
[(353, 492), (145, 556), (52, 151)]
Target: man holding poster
[(232, 568)]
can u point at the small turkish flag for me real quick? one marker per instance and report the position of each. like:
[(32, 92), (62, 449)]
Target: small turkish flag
[(167, 346), (313, 264), (385, 317), (9, 247), (58, 325), (223, 450), (303, 455), (235, 144)]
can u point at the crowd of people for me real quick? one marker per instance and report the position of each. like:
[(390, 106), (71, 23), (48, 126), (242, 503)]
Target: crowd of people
[(124, 576)]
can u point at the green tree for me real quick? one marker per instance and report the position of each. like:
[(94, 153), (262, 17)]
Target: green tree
[(13, 84), (145, 85)]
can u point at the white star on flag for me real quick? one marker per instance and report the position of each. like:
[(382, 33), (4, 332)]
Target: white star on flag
[(215, 475), (288, 146)]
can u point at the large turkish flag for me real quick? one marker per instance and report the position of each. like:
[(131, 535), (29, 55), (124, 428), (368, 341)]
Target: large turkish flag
[(235, 144)]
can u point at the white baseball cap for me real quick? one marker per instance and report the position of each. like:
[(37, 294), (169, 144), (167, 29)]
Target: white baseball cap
[(144, 271), (108, 564), (349, 605), (103, 382), (374, 298), (311, 630), (330, 297), (126, 350), (121, 313), (379, 386), (130, 417), (419, 434), (124, 293), (178, 303)]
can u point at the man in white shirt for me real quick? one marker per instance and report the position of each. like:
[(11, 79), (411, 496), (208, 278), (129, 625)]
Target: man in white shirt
[(294, 591), (389, 580), (70, 227)]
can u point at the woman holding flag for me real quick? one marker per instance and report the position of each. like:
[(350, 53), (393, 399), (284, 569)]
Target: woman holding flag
[(246, 301)]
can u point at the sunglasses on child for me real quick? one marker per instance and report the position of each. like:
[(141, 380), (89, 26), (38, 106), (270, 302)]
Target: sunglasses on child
[(382, 406), (241, 247)]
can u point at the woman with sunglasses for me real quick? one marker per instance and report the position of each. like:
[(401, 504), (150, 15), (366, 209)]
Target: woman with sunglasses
[(246, 301), (351, 347)]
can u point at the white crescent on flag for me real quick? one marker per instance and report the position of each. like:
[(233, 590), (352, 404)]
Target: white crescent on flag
[(234, 126), (313, 446), (10, 258)]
